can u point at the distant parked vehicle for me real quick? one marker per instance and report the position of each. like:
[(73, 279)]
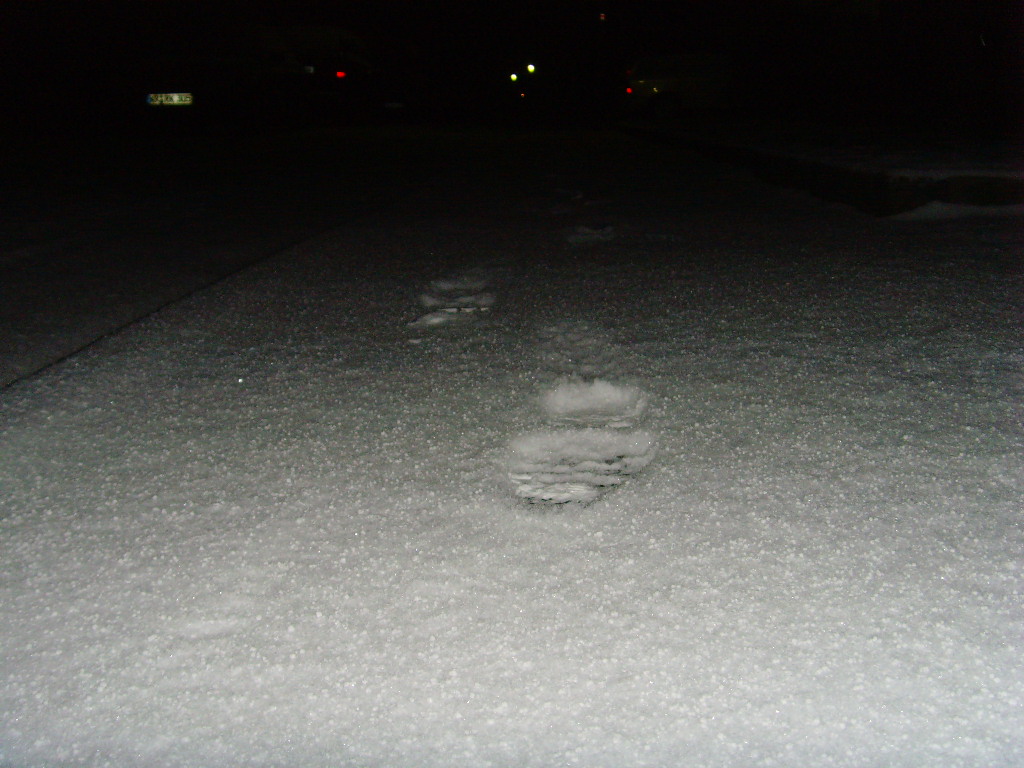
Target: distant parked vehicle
[(181, 89), (255, 75), (677, 84)]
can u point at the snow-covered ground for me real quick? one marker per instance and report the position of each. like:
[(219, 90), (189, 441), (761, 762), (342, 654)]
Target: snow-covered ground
[(283, 523)]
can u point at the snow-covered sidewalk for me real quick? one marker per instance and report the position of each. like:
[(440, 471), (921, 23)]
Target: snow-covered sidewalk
[(276, 525)]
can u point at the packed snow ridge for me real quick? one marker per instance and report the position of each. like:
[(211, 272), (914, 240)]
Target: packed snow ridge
[(594, 403), (575, 465)]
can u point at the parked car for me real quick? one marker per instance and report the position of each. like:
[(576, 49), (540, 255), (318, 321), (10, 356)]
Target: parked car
[(678, 83), (254, 76)]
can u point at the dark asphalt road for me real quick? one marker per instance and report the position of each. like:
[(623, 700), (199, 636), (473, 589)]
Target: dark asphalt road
[(95, 238)]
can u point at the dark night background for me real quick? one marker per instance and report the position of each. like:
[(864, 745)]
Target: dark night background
[(901, 64)]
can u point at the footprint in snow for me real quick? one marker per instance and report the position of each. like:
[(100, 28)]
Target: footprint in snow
[(583, 235), (452, 298), (557, 466), (560, 466), (578, 349)]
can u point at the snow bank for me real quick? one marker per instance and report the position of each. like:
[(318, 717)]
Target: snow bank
[(936, 210)]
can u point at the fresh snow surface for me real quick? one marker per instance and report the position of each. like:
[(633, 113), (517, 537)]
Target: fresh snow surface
[(273, 525)]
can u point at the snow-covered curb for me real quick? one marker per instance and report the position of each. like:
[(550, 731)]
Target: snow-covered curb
[(878, 184)]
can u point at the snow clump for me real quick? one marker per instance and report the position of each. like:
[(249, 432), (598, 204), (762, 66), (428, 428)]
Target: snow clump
[(597, 403)]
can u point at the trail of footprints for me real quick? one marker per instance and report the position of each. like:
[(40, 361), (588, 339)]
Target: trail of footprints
[(589, 443)]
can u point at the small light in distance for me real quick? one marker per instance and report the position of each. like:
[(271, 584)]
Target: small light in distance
[(530, 68), (514, 77), (340, 75), (629, 90)]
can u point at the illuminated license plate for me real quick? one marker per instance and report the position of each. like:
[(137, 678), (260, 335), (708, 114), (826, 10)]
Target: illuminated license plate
[(169, 99)]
